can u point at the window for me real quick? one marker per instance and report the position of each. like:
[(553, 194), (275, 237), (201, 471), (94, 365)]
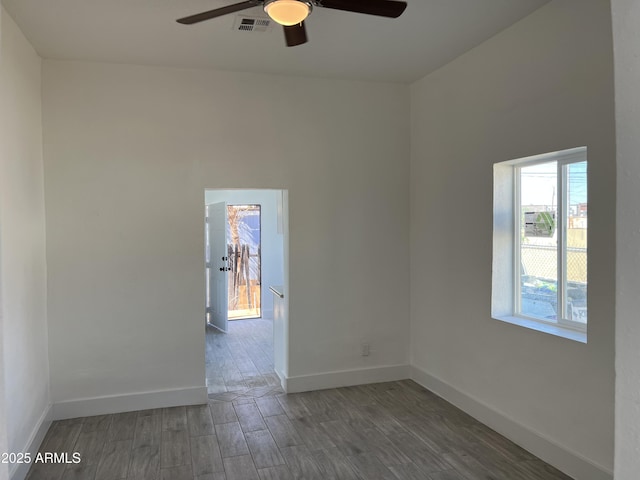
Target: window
[(540, 242)]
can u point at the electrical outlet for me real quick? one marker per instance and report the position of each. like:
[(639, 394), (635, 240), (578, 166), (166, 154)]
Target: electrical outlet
[(365, 349)]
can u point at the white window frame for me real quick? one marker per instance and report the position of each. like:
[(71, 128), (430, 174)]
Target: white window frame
[(506, 281)]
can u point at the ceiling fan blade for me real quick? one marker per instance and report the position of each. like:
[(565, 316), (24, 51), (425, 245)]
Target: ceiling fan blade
[(218, 12), (382, 8), (295, 35)]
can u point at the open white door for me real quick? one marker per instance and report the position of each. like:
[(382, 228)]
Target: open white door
[(217, 266)]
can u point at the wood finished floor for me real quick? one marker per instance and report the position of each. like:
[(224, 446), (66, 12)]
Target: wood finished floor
[(241, 359), (252, 431)]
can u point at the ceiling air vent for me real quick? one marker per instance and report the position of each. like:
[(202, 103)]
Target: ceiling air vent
[(252, 24)]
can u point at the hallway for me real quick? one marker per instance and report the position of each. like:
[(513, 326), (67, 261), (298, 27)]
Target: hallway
[(240, 360)]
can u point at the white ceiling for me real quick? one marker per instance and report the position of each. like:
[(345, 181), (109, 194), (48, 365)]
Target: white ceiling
[(428, 35)]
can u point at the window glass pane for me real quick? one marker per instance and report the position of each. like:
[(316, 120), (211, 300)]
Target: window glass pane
[(576, 260), (538, 241)]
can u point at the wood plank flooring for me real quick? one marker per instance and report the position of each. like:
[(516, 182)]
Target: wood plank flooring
[(241, 359), (250, 430), (394, 430)]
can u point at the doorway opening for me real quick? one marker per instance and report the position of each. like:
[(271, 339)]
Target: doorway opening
[(245, 262), (245, 324)]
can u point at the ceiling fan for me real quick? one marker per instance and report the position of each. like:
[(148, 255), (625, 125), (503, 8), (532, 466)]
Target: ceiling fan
[(291, 13)]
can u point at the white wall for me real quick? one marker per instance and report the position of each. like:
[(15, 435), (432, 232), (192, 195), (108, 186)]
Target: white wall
[(128, 153), (543, 85), (271, 241), (4, 468), (626, 39), (22, 240)]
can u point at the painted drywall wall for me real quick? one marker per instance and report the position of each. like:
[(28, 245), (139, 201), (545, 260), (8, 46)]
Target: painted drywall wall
[(22, 239), (129, 151), (543, 85), (271, 241), (626, 40), (4, 447)]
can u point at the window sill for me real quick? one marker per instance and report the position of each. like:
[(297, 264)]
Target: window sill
[(556, 330)]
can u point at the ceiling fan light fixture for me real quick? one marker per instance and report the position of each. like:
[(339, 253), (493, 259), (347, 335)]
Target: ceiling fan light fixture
[(287, 12)]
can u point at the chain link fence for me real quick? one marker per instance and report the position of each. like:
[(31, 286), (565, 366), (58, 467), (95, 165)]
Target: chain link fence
[(539, 281), (542, 262)]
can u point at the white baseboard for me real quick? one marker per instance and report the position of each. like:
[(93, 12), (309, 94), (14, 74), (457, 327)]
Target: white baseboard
[(569, 462), (283, 381), (345, 378), (18, 471), (86, 407)]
